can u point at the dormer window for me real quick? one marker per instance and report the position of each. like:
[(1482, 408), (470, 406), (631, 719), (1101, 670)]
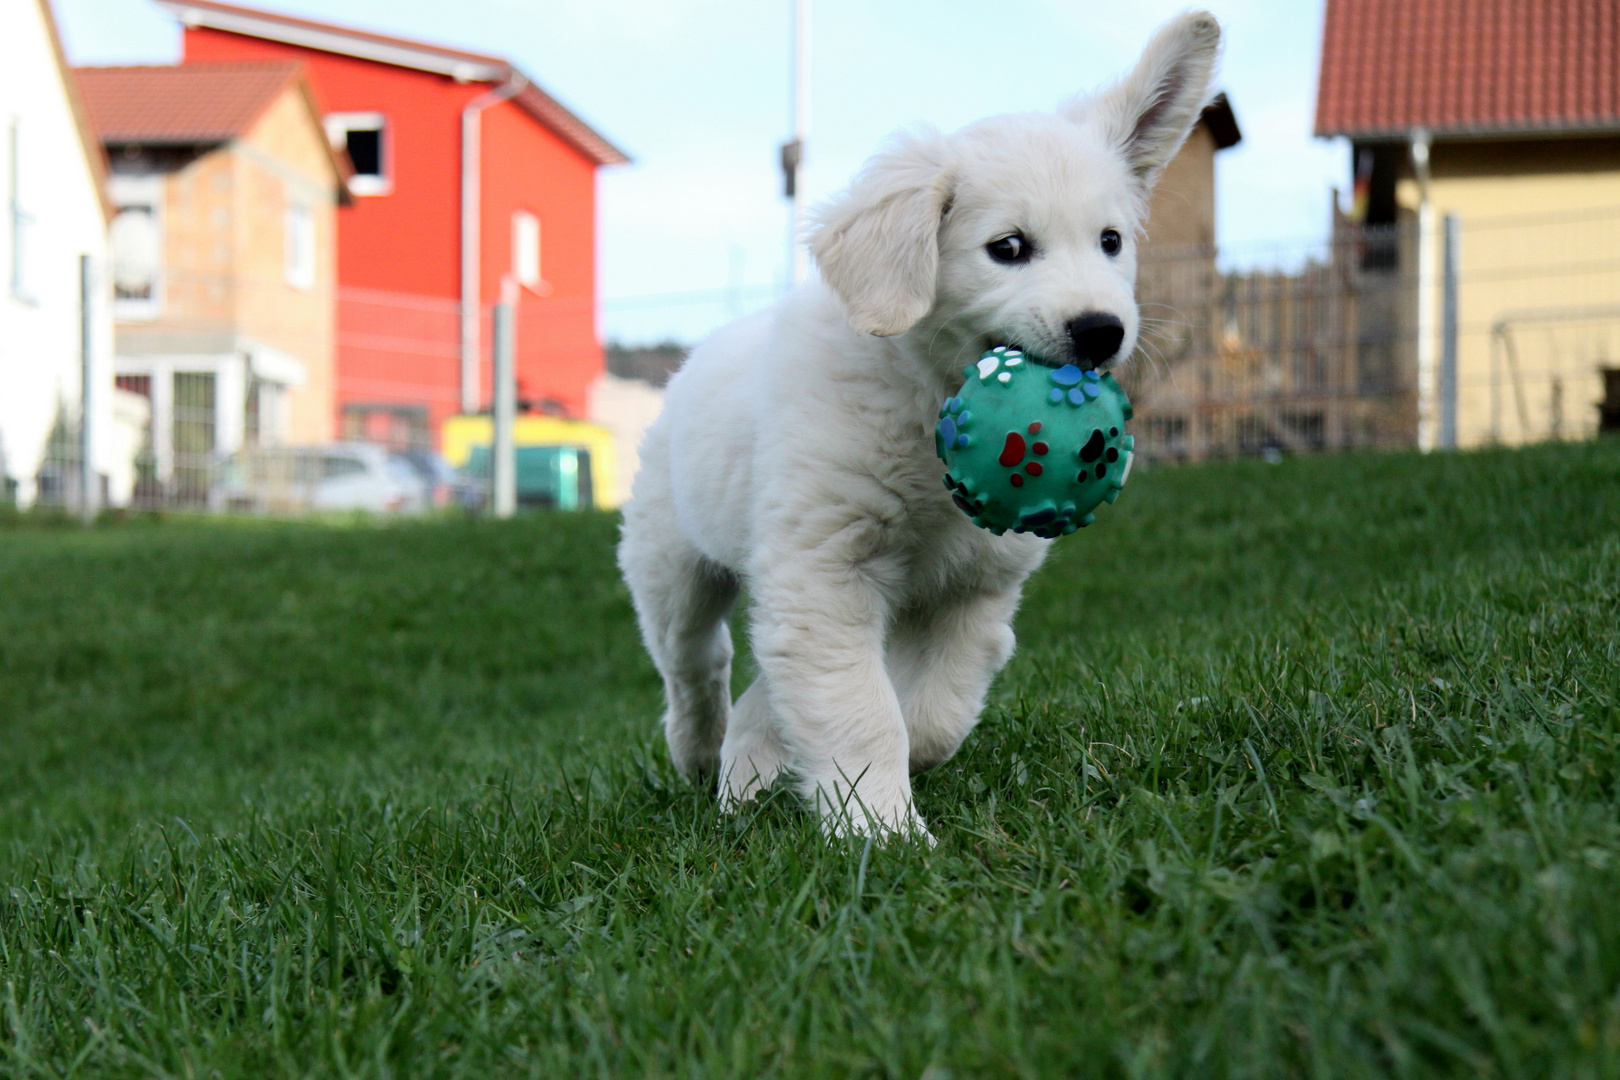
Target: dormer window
[(364, 137)]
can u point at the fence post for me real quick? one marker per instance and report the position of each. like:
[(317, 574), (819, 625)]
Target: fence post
[(1448, 333), (88, 493), (503, 453)]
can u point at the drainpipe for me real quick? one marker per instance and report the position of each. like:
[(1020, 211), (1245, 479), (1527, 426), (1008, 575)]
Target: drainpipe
[(1426, 367), (471, 189)]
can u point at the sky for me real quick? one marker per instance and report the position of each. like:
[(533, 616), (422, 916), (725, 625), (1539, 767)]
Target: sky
[(697, 92)]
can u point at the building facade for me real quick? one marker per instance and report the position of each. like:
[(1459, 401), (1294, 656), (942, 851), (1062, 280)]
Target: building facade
[(53, 226), (223, 260), (470, 183), (1179, 288), (1507, 122)]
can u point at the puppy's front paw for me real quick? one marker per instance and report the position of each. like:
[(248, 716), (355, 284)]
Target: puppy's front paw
[(742, 780), (904, 825)]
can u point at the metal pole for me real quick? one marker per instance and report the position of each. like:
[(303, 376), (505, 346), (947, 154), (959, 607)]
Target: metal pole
[(1425, 302), (503, 456), (1451, 232), (801, 133), (88, 495), (1496, 387), (471, 224)]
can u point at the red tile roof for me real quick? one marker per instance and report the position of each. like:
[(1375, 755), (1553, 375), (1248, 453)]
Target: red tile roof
[(402, 52), (1469, 67), (184, 105)]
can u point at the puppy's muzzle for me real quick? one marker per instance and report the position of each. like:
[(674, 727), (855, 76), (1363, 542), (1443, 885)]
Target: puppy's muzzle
[(1095, 337)]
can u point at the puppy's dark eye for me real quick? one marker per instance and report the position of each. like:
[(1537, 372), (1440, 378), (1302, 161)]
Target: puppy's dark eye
[(1013, 248), (1111, 242)]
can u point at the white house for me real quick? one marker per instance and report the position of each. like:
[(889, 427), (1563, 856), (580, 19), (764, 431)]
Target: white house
[(53, 221)]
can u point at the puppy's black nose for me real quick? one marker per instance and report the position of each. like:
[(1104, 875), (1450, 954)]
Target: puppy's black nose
[(1095, 337)]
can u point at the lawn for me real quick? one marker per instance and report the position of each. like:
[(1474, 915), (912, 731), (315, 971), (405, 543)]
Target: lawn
[(1305, 770)]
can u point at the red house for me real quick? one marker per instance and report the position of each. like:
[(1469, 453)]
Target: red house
[(469, 179)]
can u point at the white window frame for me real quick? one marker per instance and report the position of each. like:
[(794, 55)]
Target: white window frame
[(142, 189), (338, 125), (526, 250), (298, 245)]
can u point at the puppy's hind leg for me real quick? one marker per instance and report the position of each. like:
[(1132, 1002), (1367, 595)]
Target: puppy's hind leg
[(682, 600)]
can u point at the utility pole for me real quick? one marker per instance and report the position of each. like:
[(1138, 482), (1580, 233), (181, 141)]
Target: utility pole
[(88, 487), (1427, 383), (471, 224), (793, 150), (1450, 258)]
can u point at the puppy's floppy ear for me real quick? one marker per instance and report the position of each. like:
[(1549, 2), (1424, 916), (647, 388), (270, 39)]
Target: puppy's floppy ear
[(1150, 113), (877, 244)]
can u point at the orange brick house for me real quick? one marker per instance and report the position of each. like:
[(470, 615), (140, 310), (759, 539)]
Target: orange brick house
[(224, 258)]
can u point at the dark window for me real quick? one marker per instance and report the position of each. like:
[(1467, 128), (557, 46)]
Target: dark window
[(365, 150), (1609, 407), (1380, 166)]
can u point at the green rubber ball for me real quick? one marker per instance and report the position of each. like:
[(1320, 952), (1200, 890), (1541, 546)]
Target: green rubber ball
[(1033, 448)]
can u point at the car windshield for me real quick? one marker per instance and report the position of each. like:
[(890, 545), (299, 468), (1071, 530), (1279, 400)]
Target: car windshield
[(340, 465), (273, 465)]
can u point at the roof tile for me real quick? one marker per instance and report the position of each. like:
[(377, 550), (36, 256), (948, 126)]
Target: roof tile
[(188, 104), (382, 48), (1469, 67)]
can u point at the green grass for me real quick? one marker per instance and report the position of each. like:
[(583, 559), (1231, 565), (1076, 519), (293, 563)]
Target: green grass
[(1306, 770)]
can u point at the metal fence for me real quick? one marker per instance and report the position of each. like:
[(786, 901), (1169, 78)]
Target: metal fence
[(232, 393), (1475, 331), (1472, 332), (1320, 356)]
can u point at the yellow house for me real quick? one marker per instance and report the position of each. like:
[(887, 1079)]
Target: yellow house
[(1492, 155), (224, 259)]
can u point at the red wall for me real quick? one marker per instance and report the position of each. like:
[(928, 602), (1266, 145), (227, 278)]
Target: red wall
[(408, 242), (526, 167)]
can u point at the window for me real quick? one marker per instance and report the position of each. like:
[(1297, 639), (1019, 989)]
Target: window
[(526, 249), (337, 466), (299, 246), (264, 413), (364, 136), (194, 434), (22, 222), (136, 239)]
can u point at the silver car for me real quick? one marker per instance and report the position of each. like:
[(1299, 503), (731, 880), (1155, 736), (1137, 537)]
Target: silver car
[(338, 476)]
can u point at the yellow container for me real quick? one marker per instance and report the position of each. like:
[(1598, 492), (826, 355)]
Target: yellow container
[(461, 433)]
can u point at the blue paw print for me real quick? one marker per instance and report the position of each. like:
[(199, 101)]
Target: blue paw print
[(1070, 382), (949, 432)]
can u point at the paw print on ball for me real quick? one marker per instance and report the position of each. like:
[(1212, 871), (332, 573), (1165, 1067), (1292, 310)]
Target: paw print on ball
[(999, 362), (1071, 384), (950, 433), (1013, 450), (1097, 447)]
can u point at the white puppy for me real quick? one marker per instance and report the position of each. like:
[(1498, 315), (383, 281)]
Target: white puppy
[(795, 453)]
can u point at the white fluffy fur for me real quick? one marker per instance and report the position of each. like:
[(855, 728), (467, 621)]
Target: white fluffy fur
[(795, 451)]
